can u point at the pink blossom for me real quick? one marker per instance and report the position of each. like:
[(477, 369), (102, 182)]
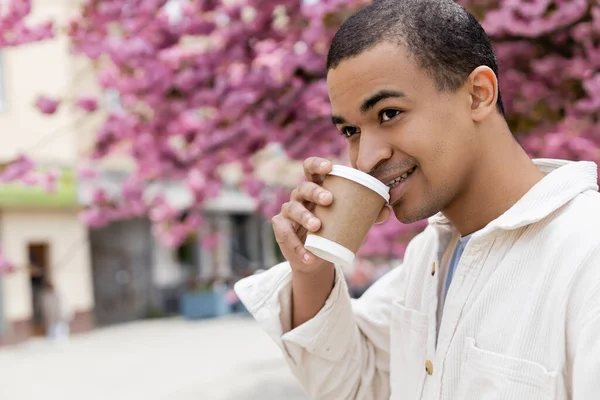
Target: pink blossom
[(14, 30), (18, 169), (94, 217), (49, 180), (88, 104), (47, 105), (86, 171), (163, 212), (231, 297)]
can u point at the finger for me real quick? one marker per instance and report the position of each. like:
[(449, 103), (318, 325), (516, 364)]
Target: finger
[(315, 168), (313, 193), (288, 240), (296, 212), (384, 215)]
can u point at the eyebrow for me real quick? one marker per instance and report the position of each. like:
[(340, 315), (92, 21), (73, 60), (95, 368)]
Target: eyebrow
[(337, 120), (371, 102)]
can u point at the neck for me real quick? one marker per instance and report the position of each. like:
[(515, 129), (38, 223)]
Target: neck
[(502, 175)]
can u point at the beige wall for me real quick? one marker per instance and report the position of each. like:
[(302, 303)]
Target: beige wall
[(30, 70), (49, 68), (69, 258)]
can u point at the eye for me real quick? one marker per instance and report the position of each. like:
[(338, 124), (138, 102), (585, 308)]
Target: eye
[(349, 131), (389, 114)]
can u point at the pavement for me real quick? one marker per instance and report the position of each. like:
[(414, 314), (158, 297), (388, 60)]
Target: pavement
[(229, 358)]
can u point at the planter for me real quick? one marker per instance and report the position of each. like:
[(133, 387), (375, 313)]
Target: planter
[(198, 305)]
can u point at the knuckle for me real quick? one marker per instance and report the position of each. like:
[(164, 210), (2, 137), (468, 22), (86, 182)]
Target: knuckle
[(295, 192), (289, 209), (306, 190), (277, 228), (301, 188), (298, 248), (314, 191), (285, 208), (308, 163), (276, 220)]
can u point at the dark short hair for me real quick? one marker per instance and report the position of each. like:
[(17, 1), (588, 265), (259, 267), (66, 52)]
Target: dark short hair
[(444, 38)]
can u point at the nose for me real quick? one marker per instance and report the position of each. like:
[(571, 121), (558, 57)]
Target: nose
[(372, 150)]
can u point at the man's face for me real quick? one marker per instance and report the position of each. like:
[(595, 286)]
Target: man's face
[(396, 120)]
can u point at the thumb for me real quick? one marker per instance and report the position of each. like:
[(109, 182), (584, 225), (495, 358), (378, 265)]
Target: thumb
[(383, 216)]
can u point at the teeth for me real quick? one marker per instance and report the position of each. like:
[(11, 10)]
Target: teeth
[(401, 178), (397, 180)]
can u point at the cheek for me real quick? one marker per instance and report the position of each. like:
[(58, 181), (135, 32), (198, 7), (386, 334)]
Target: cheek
[(438, 154), (353, 154), (451, 159)]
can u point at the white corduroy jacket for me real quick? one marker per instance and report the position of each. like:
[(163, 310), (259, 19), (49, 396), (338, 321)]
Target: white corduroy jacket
[(521, 319)]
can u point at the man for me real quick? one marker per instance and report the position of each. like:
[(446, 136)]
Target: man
[(499, 297)]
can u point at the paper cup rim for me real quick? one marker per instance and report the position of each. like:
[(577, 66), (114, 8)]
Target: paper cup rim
[(329, 250), (362, 178)]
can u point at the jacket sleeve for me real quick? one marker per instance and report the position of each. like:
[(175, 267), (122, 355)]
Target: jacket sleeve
[(341, 353)]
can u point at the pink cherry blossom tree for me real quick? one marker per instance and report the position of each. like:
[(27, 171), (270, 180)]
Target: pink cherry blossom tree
[(549, 55), (202, 83)]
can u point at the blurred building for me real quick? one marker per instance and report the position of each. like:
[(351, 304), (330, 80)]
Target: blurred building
[(135, 276), (40, 232), (116, 273)]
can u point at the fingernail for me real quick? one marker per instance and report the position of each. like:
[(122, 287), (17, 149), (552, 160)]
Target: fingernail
[(323, 164), (323, 196), (312, 222), (306, 258)]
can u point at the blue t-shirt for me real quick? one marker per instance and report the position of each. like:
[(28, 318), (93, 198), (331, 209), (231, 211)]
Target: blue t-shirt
[(458, 251)]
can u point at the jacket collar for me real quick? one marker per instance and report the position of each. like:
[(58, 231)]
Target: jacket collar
[(563, 181)]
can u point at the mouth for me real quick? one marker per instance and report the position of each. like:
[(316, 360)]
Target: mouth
[(397, 186), (397, 181)]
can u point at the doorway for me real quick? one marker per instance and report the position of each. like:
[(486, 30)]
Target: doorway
[(122, 271), (38, 256)]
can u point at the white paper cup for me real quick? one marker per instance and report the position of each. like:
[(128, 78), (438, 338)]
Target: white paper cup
[(335, 251), (329, 250), (363, 178)]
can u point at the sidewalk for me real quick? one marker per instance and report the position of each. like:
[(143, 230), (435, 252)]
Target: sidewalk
[(224, 359)]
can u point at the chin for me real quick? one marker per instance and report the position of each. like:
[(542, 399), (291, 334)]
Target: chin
[(408, 214)]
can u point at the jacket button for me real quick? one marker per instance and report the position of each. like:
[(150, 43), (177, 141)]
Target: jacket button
[(429, 367), (433, 269)]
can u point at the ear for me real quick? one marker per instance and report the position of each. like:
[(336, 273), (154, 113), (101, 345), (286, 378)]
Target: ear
[(483, 89)]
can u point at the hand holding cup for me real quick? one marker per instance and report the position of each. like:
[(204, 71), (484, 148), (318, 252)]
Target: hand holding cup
[(332, 228)]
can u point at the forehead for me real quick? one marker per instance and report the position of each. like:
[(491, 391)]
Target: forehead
[(386, 66)]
